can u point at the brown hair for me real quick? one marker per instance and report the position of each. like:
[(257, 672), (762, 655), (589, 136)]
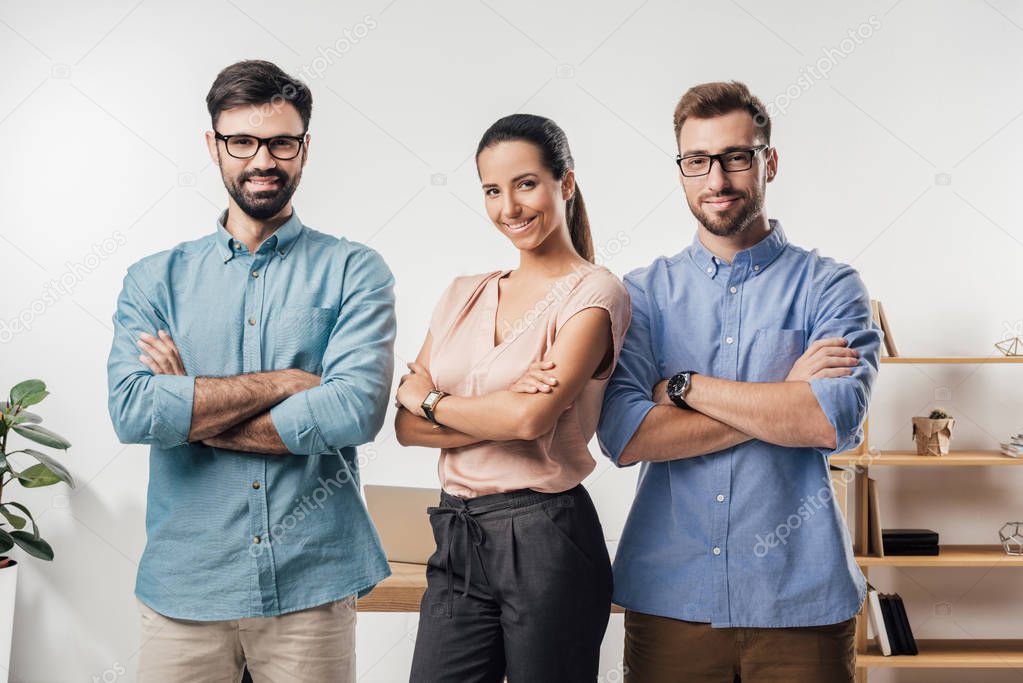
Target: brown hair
[(256, 82), (557, 157), (715, 99)]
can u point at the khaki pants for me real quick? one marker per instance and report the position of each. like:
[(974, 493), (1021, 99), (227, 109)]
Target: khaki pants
[(663, 650), (309, 646)]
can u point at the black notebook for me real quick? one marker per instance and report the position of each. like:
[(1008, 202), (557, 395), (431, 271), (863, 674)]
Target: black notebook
[(902, 620), (914, 536)]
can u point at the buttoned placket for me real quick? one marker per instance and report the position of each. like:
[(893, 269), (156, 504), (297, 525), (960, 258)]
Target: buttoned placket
[(256, 268)]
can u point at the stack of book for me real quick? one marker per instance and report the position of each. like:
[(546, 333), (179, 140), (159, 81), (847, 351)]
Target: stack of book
[(890, 622), (1014, 446), (910, 542)]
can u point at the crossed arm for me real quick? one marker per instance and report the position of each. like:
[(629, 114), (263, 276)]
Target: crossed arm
[(230, 412), (527, 410), (727, 413), (819, 404)]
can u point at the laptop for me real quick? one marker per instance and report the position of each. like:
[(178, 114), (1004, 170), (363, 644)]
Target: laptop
[(399, 513)]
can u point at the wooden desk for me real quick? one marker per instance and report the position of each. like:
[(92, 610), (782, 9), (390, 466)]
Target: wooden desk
[(403, 590)]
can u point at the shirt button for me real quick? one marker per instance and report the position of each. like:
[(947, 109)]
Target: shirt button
[(257, 539), (728, 340), (720, 498), (255, 273), (238, 247), (252, 321), (255, 484), (710, 269), (281, 252), (756, 267), (733, 290), (716, 551)]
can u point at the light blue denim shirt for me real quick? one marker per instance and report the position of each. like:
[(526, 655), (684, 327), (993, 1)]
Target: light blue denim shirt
[(304, 300), (748, 536)]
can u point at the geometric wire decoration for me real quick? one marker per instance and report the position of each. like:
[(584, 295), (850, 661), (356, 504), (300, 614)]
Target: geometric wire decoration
[(1012, 538), (1013, 346)]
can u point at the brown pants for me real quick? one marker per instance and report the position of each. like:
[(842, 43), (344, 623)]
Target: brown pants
[(663, 650)]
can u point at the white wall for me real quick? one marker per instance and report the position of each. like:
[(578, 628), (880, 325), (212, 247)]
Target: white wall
[(101, 120)]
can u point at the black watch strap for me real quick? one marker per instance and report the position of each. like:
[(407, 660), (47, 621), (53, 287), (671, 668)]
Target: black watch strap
[(678, 388)]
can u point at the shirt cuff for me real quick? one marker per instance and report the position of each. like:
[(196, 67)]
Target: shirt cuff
[(173, 396), (842, 406), (619, 433), (295, 424)]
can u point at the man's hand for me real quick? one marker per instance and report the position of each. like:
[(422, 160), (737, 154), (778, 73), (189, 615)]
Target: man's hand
[(824, 358), (536, 379), (163, 357)]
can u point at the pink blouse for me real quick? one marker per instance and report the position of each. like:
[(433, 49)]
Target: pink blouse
[(465, 362)]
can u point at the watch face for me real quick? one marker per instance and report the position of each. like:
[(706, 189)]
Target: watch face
[(675, 385), (431, 398)]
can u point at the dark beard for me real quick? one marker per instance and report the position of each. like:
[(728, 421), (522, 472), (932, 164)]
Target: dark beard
[(262, 205), (751, 208)]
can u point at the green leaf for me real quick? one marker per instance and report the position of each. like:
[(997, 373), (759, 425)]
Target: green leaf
[(29, 392), (37, 476), (15, 414), (33, 545), (35, 527), (53, 464), (42, 435), (6, 542), (24, 416), (16, 521)]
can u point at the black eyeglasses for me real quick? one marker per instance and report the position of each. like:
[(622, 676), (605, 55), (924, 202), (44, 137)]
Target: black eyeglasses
[(283, 147), (731, 161)]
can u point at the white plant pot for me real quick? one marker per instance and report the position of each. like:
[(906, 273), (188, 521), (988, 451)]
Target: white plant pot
[(8, 586)]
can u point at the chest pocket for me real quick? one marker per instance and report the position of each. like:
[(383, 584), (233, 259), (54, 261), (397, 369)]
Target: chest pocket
[(772, 354), (302, 334)]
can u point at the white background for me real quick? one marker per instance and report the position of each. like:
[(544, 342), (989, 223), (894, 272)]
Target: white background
[(905, 162)]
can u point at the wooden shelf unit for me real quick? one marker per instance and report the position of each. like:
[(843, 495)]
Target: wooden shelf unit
[(967, 653)]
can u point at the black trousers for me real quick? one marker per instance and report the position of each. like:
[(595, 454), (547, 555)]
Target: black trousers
[(520, 586)]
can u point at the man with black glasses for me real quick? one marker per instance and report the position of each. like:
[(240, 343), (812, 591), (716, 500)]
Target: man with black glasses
[(253, 361), (748, 362)]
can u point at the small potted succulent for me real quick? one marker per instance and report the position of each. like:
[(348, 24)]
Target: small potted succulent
[(933, 433), (15, 517)]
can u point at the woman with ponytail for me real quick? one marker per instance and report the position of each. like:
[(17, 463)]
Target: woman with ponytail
[(508, 385)]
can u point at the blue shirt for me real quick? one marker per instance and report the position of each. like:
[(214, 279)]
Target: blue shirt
[(748, 536), (303, 300)]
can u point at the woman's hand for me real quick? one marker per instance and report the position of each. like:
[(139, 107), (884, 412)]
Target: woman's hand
[(536, 379), (413, 389)]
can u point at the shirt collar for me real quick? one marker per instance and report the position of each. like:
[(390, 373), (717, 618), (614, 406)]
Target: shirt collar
[(756, 258), (281, 241)]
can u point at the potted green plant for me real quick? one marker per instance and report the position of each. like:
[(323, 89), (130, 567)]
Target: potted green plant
[(15, 517), (933, 433)]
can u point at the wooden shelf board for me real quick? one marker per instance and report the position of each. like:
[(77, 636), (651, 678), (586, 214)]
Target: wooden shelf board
[(911, 459), (950, 654), (951, 556), (403, 590), (950, 360)]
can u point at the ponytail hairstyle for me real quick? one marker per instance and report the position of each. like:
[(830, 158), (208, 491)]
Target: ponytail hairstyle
[(557, 158)]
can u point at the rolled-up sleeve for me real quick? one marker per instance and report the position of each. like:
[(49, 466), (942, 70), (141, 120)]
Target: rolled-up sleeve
[(348, 407), (843, 310), (627, 395), (144, 408)]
